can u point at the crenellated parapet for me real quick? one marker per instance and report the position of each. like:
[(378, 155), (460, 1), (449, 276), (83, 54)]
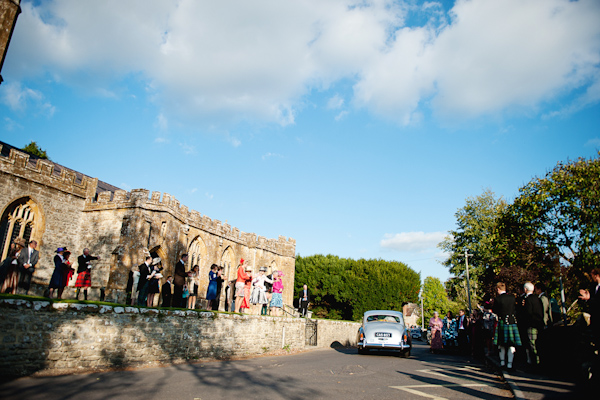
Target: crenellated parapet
[(157, 202), (47, 173)]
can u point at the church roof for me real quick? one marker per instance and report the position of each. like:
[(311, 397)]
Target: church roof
[(102, 186)]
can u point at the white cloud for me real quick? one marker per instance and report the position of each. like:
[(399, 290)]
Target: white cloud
[(11, 125), (412, 241), (162, 122), (271, 155), (595, 142), (336, 102), (341, 115), (223, 62), (20, 98)]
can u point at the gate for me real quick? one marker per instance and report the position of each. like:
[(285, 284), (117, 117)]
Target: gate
[(311, 332)]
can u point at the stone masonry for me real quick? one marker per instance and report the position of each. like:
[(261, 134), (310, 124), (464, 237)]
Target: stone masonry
[(59, 338)]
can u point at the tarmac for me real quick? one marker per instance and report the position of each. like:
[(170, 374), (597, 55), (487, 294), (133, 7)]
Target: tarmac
[(529, 385)]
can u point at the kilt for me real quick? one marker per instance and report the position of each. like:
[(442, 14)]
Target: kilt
[(84, 279), (507, 335)]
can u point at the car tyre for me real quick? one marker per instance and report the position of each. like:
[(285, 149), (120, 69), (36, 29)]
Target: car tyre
[(363, 351), (405, 353)]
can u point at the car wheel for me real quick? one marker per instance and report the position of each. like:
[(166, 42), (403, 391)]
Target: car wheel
[(363, 351), (405, 354)]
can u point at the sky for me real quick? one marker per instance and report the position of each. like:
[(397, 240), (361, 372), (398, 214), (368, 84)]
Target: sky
[(358, 128)]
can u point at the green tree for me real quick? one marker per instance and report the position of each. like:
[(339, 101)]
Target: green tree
[(435, 298), (560, 215), (476, 233), (345, 288), (34, 149)]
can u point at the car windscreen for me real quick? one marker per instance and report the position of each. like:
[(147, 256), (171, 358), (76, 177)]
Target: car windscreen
[(383, 318)]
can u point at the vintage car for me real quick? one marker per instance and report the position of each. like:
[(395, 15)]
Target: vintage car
[(384, 330)]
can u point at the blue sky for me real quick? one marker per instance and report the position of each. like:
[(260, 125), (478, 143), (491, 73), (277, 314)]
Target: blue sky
[(356, 127)]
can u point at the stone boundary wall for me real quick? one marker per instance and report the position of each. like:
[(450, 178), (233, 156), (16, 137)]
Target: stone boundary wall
[(59, 338)]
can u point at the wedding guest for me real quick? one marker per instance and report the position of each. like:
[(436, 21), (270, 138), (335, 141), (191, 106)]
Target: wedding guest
[(277, 298), (240, 283), (60, 276), (449, 332), (167, 292), (179, 281), (154, 282), (29, 258), (145, 270), (220, 280), (193, 281), (12, 267), (84, 276), (507, 334), (211, 291), (132, 285), (259, 292), (436, 324), (247, 290)]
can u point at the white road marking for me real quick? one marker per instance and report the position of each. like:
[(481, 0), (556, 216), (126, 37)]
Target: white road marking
[(410, 389), (439, 372)]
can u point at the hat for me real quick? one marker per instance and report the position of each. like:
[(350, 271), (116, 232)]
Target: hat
[(241, 261), (280, 273), (156, 260), (248, 268), (60, 249), (20, 242), (264, 269)]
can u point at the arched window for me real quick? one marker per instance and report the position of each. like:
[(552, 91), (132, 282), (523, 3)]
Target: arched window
[(18, 221)]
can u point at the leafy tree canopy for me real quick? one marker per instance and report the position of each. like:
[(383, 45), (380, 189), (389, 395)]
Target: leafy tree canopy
[(345, 288), (34, 149)]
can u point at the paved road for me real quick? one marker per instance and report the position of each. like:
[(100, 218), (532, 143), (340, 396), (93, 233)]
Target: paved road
[(319, 374)]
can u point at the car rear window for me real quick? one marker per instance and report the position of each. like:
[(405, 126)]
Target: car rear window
[(383, 318)]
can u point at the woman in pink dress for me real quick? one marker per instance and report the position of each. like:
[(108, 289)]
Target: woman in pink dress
[(436, 325)]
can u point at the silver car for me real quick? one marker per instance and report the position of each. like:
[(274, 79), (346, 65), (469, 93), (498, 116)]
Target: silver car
[(384, 330)]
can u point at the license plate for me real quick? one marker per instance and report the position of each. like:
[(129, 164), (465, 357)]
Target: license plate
[(383, 334)]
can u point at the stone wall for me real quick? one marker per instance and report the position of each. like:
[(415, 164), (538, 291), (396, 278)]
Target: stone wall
[(65, 337)]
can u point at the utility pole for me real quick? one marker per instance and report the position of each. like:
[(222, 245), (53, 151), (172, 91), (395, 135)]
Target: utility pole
[(467, 255), (422, 315)]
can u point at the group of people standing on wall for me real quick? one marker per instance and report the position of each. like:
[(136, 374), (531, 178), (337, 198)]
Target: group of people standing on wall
[(255, 294), (16, 271), (179, 290), (508, 322)]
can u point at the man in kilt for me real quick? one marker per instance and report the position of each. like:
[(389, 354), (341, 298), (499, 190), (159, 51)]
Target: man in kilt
[(507, 333), (534, 322), (84, 277)]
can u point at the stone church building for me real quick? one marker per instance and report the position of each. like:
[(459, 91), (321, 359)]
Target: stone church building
[(44, 201)]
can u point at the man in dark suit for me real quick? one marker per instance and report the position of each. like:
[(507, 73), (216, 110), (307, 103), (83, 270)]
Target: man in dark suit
[(304, 300), (179, 282), (534, 322), (462, 326), (28, 258), (507, 333), (167, 292), (592, 300), (145, 270)]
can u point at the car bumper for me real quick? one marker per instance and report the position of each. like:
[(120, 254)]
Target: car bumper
[(383, 346)]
